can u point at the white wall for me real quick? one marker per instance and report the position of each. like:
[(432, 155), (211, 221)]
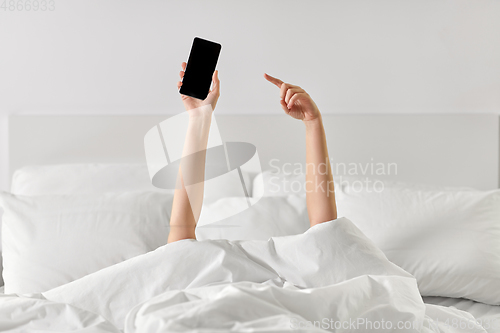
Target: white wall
[(354, 56)]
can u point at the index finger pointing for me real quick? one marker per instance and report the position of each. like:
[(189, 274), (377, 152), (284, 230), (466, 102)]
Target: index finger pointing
[(273, 80)]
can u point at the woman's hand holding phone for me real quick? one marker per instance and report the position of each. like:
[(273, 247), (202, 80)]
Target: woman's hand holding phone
[(213, 95)]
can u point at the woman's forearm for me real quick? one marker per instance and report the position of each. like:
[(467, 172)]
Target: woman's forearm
[(188, 197), (320, 193), (194, 154)]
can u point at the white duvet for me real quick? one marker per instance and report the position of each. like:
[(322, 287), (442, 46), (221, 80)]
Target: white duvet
[(330, 278)]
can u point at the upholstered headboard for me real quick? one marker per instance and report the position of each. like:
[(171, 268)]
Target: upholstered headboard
[(453, 150)]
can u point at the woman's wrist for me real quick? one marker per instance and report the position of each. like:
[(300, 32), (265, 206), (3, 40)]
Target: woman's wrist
[(315, 123), (201, 111)]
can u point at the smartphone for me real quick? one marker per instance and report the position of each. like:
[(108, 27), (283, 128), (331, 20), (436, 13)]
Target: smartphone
[(200, 68)]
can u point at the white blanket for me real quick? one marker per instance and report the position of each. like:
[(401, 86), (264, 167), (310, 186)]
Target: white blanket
[(331, 278), (36, 314)]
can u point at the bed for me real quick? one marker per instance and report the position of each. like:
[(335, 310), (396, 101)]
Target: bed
[(429, 225)]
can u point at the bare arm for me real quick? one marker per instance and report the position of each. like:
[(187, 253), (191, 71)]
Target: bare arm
[(182, 221), (320, 193), (188, 196)]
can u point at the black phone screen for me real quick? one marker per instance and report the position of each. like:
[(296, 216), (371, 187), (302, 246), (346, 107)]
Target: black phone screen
[(200, 68)]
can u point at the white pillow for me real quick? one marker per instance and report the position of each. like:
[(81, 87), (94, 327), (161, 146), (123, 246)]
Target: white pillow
[(448, 239), (227, 185), (269, 217), (269, 184), (50, 240), (81, 179), (272, 184), (102, 178)]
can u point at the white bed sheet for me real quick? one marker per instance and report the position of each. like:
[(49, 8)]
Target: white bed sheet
[(488, 315)]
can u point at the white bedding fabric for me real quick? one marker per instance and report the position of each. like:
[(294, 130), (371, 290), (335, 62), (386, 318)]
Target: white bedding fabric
[(331, 273), (448, 239), (487, 315), (87, 178), (96, 178), (36, 314), (99, 178), (50, 240), (270, 217)]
